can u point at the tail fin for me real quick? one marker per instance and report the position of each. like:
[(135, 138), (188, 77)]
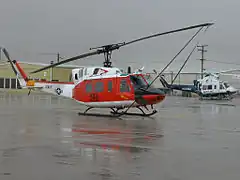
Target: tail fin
[(164, 82), (19, 72), (21, 76), (180, 87)]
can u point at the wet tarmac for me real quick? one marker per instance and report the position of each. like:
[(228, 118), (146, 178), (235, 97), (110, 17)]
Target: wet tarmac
[(42, 137)]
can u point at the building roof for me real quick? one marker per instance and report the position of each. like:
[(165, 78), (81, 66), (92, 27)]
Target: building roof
[(42, 64)]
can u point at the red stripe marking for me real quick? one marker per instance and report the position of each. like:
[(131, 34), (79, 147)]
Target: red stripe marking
[(97, 131), (54, 82), (23, 74)]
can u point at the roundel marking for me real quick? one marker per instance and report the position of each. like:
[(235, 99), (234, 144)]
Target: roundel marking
[(59, 91)]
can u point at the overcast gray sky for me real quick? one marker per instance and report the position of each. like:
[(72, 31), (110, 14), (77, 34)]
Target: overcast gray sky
[(71, 27)]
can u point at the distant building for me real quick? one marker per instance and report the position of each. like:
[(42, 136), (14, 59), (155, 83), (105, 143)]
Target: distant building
[(59, 73)]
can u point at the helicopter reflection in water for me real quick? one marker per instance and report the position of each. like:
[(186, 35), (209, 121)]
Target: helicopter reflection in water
[(109, 146), (113, 136)]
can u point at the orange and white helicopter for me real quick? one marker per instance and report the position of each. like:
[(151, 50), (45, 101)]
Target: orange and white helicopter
[(103, 87)]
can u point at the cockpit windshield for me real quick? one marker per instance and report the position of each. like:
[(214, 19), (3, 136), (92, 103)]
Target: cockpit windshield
[(138, 81), (226, 85), (149, 79)]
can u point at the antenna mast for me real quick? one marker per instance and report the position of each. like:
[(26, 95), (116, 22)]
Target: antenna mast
[(202, 50), (0, 53)]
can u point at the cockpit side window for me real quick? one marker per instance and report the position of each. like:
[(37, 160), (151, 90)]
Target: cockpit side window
[(221, 86), (81, 73), (124, 87)]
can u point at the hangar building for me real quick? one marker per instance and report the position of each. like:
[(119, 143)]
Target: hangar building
[(59, 73)]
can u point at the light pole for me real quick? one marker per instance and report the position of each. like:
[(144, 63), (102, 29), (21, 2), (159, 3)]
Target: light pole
[(51, 54), (202, 50), (51, 73), (0, 53)]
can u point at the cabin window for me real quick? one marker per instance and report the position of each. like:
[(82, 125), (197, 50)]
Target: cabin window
[(76, 76), (215, 86), (124, 87), (70, 78), (89, 87), (221, 86), (209, 86), (81, 73), (95, 70), (109, 86), (204, 87), (99, 86)]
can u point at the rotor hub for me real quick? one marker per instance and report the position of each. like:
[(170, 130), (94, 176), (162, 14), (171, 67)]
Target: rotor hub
[(107, 51)]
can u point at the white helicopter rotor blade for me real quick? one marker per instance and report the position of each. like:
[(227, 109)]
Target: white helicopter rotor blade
[(230, 70), (233, 75)]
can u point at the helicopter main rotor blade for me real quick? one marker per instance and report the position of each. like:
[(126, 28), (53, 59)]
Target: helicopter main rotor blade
[(168, 32), (111, 47), (9, 59), (67, 60)]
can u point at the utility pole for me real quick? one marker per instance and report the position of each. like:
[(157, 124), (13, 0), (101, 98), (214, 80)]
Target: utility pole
[(202, 50), (51, 72), (0, 53), (58, 57)]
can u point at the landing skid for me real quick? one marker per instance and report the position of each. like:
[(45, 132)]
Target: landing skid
[(115, 113), (97, 114), (220, 97), (94, 114), (136, 114)]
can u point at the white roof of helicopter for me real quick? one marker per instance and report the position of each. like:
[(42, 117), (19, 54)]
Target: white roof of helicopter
[(104, 72), (211, 78)]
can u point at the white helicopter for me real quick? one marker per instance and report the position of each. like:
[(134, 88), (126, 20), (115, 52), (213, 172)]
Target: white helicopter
[(209, 87)]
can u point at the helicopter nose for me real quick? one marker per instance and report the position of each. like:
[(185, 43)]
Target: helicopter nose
[(232, 89), (150, 96)]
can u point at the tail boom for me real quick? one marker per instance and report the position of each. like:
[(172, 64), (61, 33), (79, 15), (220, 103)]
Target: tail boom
[(51, 87)]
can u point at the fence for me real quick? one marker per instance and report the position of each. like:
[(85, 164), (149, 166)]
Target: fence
[(187, 78)]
